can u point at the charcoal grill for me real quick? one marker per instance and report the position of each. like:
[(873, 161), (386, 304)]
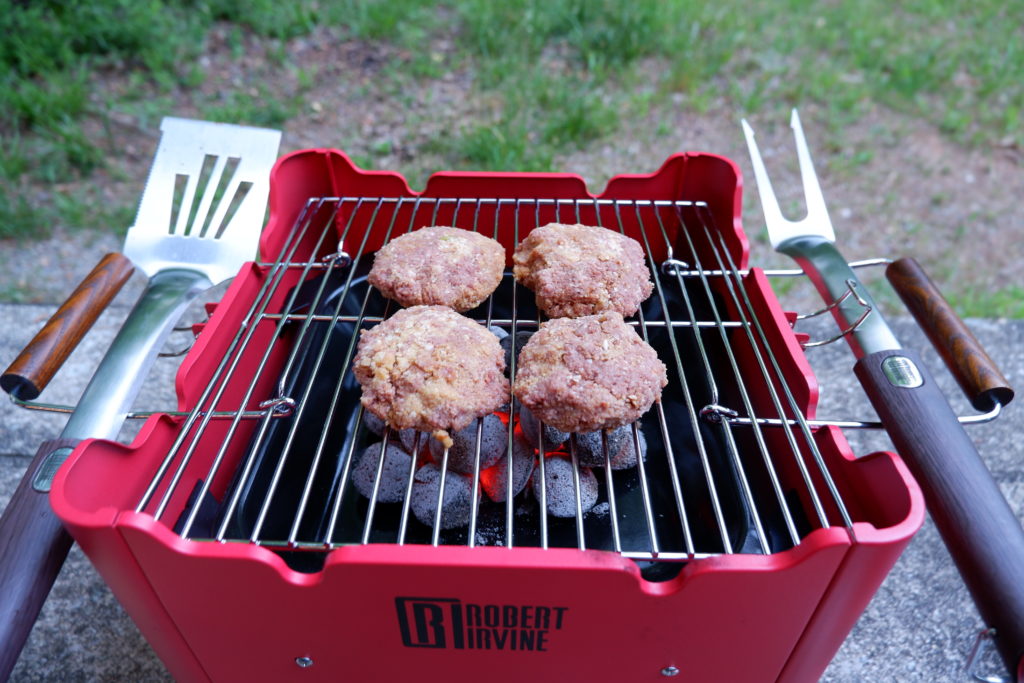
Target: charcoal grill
[(231, 532)]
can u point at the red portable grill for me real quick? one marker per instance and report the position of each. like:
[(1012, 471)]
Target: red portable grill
[(744, 546)]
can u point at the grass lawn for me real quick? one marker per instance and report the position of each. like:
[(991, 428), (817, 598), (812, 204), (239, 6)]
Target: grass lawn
[(555, 75)]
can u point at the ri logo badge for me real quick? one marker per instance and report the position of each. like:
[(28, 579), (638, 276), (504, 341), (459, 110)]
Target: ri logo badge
[(450, 623)]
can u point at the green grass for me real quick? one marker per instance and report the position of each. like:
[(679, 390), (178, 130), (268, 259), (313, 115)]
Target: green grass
[(21, 220), (975, 303), (48, 57), (18, 218), (541, 115), (953, 65), (558, 74), (261, 109)]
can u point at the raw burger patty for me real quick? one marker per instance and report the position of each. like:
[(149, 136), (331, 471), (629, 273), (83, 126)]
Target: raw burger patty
[(576, 270), (589, 373), (431, 369), (439, 266)]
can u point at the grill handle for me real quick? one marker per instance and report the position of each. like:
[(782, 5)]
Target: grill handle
[(39, 361), (33, 545), (984, 537), (963, 354)]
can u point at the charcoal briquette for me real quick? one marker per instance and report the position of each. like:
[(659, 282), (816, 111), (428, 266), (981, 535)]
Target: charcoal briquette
[(373, 423), (560, 488), (553, 438), (393, 476), (506, 345), (462, 454), (621, 448), (458, 497), (408, 439), (495, 480)]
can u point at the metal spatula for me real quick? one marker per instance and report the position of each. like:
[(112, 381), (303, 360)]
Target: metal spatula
[(199, 220)]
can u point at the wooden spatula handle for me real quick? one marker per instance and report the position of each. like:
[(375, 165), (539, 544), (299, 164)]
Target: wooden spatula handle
[(33, 546), (36, 365), (963, 354)]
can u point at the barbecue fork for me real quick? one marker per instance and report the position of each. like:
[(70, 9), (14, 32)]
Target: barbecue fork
[(198, 221), (976, 523)]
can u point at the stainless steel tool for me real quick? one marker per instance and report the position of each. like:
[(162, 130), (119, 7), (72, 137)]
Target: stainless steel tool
[(198, 221), (977, 525)]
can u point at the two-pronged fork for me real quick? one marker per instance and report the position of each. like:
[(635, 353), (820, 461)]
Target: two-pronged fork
[(975, 521)]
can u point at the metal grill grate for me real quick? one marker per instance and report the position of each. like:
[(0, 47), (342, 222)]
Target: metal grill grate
[(732, 464)]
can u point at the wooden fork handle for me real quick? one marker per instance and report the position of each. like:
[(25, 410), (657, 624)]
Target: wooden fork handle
[(36, 365), (963, 354)]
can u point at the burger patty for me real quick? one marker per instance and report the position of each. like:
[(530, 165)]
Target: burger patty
[(439, 266), (576, 270), (589, 373), (431, 369)]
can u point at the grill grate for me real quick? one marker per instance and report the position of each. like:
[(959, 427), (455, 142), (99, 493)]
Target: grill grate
[(280, 451)]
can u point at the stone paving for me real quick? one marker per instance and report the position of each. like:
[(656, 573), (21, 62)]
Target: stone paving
[(920, 626)]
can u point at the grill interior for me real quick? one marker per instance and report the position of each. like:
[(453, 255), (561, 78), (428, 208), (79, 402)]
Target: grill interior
[(732, 464)]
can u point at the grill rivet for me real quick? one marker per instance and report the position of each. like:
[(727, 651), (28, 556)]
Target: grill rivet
[(670, 671), (304, 662)]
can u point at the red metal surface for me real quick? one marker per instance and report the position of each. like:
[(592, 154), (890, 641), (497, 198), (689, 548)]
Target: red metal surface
[(326, 173), (237, 612)]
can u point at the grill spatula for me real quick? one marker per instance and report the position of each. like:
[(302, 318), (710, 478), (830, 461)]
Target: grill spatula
[(978, 526), (199, 220)]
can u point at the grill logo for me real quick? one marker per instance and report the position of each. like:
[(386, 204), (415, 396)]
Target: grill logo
[(442, 623)]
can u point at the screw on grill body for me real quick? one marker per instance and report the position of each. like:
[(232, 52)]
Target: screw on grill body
[(304, 662), (670, 671)]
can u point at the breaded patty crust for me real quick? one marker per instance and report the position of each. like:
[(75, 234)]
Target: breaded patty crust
[(576, 270), (589, 373), (431, 369), (439, 266)]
